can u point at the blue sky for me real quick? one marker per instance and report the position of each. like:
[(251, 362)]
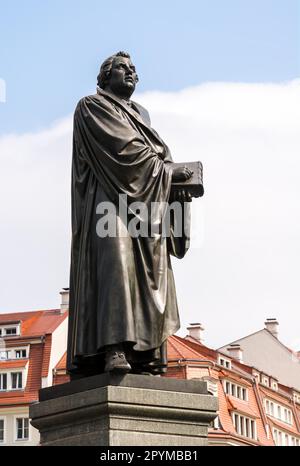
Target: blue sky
[(243, 126), (50, 50)]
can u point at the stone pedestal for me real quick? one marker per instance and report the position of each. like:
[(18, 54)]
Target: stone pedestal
[(129, 410)]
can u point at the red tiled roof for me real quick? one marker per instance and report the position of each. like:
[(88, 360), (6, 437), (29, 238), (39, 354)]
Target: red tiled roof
[(33, 383), (179, 349), (267, 392), (184, 349), (229, 374), (35, 323), (243, 406), (62, 363), (13, 364), (291, 429), (60, 373)]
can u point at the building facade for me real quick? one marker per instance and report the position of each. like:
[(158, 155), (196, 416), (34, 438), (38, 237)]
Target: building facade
[(255, 408), (31, 345)]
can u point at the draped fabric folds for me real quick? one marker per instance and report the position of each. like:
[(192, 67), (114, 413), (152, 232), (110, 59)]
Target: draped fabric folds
[(121, 288)]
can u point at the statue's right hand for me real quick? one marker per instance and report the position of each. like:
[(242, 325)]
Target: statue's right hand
[(181, 174)]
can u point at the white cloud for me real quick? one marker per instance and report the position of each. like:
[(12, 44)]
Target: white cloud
[(2, 90), (247, 269)]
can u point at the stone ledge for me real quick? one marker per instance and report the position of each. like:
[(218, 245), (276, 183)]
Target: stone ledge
[(127, 380), (122, 415)]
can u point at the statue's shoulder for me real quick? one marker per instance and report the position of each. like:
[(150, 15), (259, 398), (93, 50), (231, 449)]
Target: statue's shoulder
[(90, 99)]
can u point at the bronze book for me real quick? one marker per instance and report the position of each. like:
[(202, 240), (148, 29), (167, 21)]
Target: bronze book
[(195, 184)]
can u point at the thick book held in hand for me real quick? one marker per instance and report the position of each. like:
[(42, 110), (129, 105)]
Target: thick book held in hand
[(195, 184)]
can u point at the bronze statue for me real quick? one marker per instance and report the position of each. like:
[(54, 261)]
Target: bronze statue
[(122, 295)]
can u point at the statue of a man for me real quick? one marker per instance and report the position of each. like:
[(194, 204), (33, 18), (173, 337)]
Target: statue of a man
[(122, 295)]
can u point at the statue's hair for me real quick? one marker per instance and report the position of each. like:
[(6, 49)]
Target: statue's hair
[(105, 70)]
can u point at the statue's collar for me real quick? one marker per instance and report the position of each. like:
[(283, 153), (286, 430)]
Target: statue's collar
[(126, 105)]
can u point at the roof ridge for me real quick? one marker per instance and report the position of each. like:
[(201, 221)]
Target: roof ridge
[(183, 342)]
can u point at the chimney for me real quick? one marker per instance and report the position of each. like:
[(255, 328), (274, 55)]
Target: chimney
[(196, 331), (64, 305), (272, 326), (235, 351)]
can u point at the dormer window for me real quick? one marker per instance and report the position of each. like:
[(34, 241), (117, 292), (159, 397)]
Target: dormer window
[(20, 353), (14, 353), (279, 412), (296, 397), (244, 426), (274, 386), (10, 330), (265, 381), (235, 390), (224, 362)]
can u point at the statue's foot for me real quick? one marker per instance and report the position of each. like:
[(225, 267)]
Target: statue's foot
[(116, 362)]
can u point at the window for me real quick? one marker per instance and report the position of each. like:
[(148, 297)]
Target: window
[(279, 412), (265, 381), (22, 428), (236, 390), (282, 439), (16, 380), (11, 331), (4, 354), (275, 386), (19, 354), (296, 398), (3, 382), (1, 430), (244, 426), (225, 363), (13, 353)]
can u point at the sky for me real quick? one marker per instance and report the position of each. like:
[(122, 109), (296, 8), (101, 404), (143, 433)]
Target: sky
[(222, 83)]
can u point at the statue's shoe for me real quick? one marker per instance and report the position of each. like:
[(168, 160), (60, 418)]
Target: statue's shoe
[(116, 361)]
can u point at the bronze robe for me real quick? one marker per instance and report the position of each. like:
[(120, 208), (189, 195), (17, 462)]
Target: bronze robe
[(121, 288)]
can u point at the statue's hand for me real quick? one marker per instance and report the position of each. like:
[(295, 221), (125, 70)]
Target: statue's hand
[(181, 195), (181, 174)]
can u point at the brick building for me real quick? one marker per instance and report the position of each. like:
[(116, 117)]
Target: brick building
[(254, 407), (31, 345)]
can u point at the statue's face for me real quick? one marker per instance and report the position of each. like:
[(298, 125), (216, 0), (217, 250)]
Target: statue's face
[(123, 76)]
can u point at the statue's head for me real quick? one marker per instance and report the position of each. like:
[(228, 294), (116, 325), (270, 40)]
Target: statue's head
[(118, 74)]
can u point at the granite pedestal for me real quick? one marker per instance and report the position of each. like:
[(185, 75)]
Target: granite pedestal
[(128, 410)]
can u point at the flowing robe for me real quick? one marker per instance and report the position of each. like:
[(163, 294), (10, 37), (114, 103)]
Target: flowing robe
[(121, 288)]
